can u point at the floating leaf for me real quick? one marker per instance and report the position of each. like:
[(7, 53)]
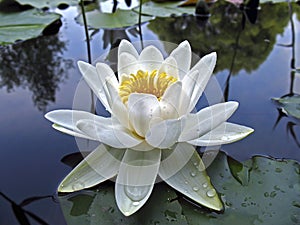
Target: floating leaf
[(272, 195), (271, 185), (121, 18), (24, 25), (47, 3), (290, 105), (165, 9), (161, 208)]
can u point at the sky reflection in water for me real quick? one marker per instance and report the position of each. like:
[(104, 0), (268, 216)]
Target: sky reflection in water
[(31, 150)]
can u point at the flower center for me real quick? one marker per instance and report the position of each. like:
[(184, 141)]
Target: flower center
[(144, 82)]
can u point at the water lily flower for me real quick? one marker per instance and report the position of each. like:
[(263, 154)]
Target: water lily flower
[(152, 130)]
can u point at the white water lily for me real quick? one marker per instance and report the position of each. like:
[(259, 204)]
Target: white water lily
[(151, 120)]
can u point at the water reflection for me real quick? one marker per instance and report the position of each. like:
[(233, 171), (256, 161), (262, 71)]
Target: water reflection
[(288, 104), (220, 31), (38, 65)]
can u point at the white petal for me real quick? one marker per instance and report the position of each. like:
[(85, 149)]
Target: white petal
[(118, 109), (169, 66), (191, 180), (164, 134), (183, 57), (205, 68), (170, 101), (175, 159), (126, 46), (188, 86), (224, 134), (65, 121), (136, 178), (127, 64), (150, 59), (142, 109), (206, 120), (94, 81), (100, 165), (109, 131), (71, 132), (105, 73)]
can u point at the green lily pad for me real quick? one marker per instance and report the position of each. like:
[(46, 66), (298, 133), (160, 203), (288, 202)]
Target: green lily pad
[(290, 105), (47, 3), (165, 9), (270, 196), (24, 25), (119, 19), (258, 191), (99, 207)]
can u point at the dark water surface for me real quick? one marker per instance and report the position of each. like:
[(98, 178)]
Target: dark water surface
[(40, 75)]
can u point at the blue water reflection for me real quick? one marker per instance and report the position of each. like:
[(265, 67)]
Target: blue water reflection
[(31, 150)]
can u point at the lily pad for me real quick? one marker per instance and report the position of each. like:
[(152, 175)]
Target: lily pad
[(270, 196), (99, 207), (290, 105), (47, 3), (165, 9), (258, 191), (119, 19), (24, 25)]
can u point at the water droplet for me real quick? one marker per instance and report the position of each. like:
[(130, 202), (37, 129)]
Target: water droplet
[(204, 185), (278, 170), (195, 189), (224, 138), (211, 193), (195, 164), (136, 193), (295, 218), (193, 174), (186, 182), (78, 186), (273, 194), (266, 194), (135, 203), (276, 188), (244, 204)]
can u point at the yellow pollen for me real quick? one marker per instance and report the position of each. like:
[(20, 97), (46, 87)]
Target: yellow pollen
[(144, 82)]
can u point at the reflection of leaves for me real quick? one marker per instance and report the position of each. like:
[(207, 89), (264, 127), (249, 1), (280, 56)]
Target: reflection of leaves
[(270, 185), (219, 34), (36, 64), (290, 105), (121, 18), (22, 214), (23, 25)]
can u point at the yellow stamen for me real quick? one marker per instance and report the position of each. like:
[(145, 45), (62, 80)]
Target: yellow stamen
[(143, 82)]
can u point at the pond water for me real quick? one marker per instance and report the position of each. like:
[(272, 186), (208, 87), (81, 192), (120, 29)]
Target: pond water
[(255, 64)]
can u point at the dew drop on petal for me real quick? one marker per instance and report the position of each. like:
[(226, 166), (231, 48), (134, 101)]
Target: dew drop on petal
[(195, 188), (211, 193), (78, 186), (136, 193), (224, 138), (135, 203), (193, 174), (204, 185)]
